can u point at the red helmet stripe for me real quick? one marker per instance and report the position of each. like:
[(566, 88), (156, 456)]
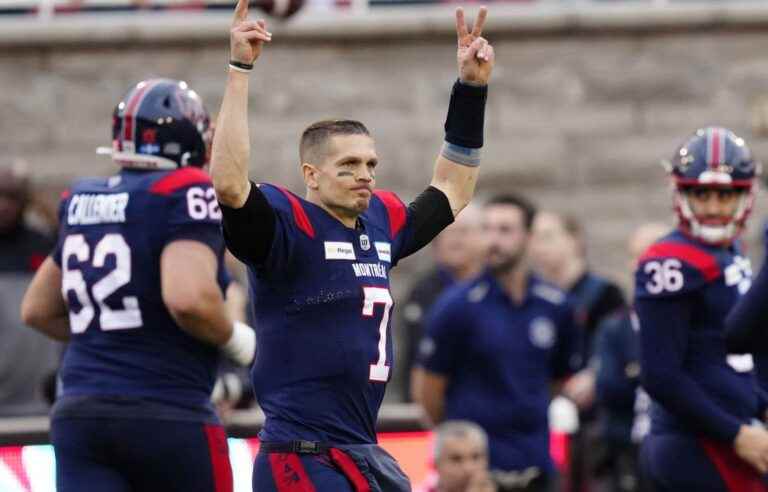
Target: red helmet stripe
[(715, 147), (132, 107), (712, 147)]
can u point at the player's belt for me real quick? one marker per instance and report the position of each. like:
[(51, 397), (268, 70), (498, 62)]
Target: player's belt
[(301, 447)]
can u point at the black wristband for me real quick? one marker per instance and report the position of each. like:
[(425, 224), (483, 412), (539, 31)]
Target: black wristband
[(466, 115), (244, 66)]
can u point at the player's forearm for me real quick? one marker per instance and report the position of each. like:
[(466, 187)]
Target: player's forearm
[(207, 320), (456, 168), (204, 316), (231, 145), (456, 181)]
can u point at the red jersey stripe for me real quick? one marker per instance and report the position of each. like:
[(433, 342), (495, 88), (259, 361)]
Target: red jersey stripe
[(299, 214), (185, 176), (395, 210), (701, 260)]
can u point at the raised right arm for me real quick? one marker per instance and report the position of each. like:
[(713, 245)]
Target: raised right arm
[(231, 146)]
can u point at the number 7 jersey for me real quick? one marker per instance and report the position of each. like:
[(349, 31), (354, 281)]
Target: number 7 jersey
[(124, 342), (323, 310)]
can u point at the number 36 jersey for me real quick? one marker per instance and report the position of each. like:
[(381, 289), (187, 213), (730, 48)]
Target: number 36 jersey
[(124, 342), (684, 290), (322, 308)]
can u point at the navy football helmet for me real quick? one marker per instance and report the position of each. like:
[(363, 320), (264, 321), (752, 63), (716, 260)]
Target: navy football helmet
[(713, 157), (161, 124)]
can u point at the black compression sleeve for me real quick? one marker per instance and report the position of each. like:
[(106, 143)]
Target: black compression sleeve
[(249, 230), (429, 214)]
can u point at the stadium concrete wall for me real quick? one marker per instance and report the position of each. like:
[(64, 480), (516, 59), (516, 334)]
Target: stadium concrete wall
[(579, 114)]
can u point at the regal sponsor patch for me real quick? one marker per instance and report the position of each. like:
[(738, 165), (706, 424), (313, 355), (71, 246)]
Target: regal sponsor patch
[(384, 250), (337, 250)]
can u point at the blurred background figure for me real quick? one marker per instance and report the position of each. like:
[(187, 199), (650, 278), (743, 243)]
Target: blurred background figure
[(460, 458), (558, 254), (616, 362), (28, 360), (494, 348), (458, 255)]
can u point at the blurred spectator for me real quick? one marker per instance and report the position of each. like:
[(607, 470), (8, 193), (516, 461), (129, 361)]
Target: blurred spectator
[(494, 346), (461, 458), (558, 253), (616, 361), (458, 256), (27, 358)]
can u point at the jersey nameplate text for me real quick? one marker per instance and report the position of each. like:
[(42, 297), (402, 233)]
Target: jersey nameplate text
[(90, 209)]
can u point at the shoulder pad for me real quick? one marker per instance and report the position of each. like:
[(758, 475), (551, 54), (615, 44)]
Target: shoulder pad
[(287, 202), (180, 179), (674, 268), (395, 209)]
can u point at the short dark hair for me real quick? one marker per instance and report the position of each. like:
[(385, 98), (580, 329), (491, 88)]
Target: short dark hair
[(318, 134), (515, 200)]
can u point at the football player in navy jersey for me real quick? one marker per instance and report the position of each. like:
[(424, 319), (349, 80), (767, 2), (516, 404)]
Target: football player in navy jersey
[(136, 284), (319, 271), (702, 434)]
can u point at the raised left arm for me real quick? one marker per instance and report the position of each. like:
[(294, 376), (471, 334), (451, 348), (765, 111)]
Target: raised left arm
[(456, 168)]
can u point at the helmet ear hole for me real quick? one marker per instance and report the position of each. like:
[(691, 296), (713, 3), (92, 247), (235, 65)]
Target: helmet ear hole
[(167, 102)]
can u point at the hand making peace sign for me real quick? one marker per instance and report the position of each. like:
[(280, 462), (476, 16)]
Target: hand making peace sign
[(475, 55), (247, 37)]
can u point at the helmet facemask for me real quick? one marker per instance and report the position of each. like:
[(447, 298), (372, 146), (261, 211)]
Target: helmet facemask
[(718, 235)]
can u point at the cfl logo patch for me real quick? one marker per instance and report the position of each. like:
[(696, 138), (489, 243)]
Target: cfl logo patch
[(739, 273)]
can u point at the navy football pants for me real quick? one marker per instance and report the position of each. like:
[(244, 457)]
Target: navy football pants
[(352, 468), (679, 463), (141, 455)]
